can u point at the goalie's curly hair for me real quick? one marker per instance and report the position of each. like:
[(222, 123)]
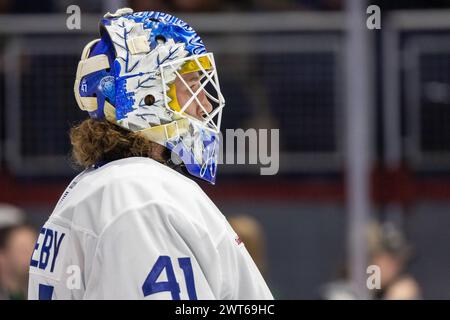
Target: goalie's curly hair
[(98, 141)]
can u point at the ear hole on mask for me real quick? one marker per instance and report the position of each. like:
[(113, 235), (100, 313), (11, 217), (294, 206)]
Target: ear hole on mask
[(160, 39), (149, 100)]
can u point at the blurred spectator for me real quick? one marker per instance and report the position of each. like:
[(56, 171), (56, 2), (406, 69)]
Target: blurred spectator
[(340, 289), (391, 252), (17, 240), (10, 215), (251, 233)]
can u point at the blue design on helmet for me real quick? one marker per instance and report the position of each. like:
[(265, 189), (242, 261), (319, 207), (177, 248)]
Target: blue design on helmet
[(136, 47)]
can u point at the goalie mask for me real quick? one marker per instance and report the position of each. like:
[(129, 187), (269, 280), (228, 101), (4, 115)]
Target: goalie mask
[(150, 73)]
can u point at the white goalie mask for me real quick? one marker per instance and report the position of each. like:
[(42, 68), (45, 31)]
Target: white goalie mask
[(150, 73)]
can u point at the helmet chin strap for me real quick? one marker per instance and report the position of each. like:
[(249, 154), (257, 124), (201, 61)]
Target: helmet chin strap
[(175, 159), (175, 163)]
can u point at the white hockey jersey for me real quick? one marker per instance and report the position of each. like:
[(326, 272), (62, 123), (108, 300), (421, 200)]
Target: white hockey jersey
[(136, 229)]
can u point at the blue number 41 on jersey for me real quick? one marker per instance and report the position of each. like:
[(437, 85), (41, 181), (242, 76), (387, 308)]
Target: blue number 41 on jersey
[(150, 285)]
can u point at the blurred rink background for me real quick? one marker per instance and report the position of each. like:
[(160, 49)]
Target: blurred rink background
[(364, 135)]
